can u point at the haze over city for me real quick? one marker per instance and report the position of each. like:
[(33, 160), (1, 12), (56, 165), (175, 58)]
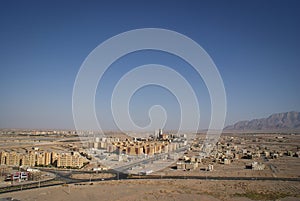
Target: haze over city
[(150, 100), (254, 44)]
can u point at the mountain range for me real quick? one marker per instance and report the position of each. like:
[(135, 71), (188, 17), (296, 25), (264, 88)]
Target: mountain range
[(278, 121)]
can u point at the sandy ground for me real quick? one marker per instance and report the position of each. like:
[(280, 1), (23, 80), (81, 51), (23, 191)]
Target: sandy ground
[(92, 176), (287, 167), (169, 190)]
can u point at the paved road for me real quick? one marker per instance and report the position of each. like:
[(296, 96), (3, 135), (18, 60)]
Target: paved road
[(125, 168), (217, 178), (65, 178)]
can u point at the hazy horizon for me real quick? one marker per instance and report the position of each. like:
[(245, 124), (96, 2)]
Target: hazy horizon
[(255, 46)]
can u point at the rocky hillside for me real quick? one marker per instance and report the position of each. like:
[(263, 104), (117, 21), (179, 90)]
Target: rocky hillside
[(287, 120)]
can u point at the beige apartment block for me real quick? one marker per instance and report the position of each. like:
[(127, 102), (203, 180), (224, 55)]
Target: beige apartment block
[(43, 159), (28, 159), (70, 160), (3, 157), (13, 159)]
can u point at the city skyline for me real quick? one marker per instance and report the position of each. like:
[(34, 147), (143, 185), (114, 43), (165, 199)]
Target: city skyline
[(255, 46)]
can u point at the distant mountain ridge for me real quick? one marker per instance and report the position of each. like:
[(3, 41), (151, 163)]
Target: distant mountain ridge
[(279, 121)]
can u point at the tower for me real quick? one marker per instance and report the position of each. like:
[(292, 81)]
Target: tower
[(160, 133)]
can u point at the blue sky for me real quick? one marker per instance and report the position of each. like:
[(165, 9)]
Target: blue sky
[(254, 44)]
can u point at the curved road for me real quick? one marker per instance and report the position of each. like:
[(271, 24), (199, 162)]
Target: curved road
[(64, 177)]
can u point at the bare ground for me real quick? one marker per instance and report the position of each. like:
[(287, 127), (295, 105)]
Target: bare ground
[(169, 190)]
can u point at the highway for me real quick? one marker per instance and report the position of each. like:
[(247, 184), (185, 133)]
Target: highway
[(64, 177), (217, 178)]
